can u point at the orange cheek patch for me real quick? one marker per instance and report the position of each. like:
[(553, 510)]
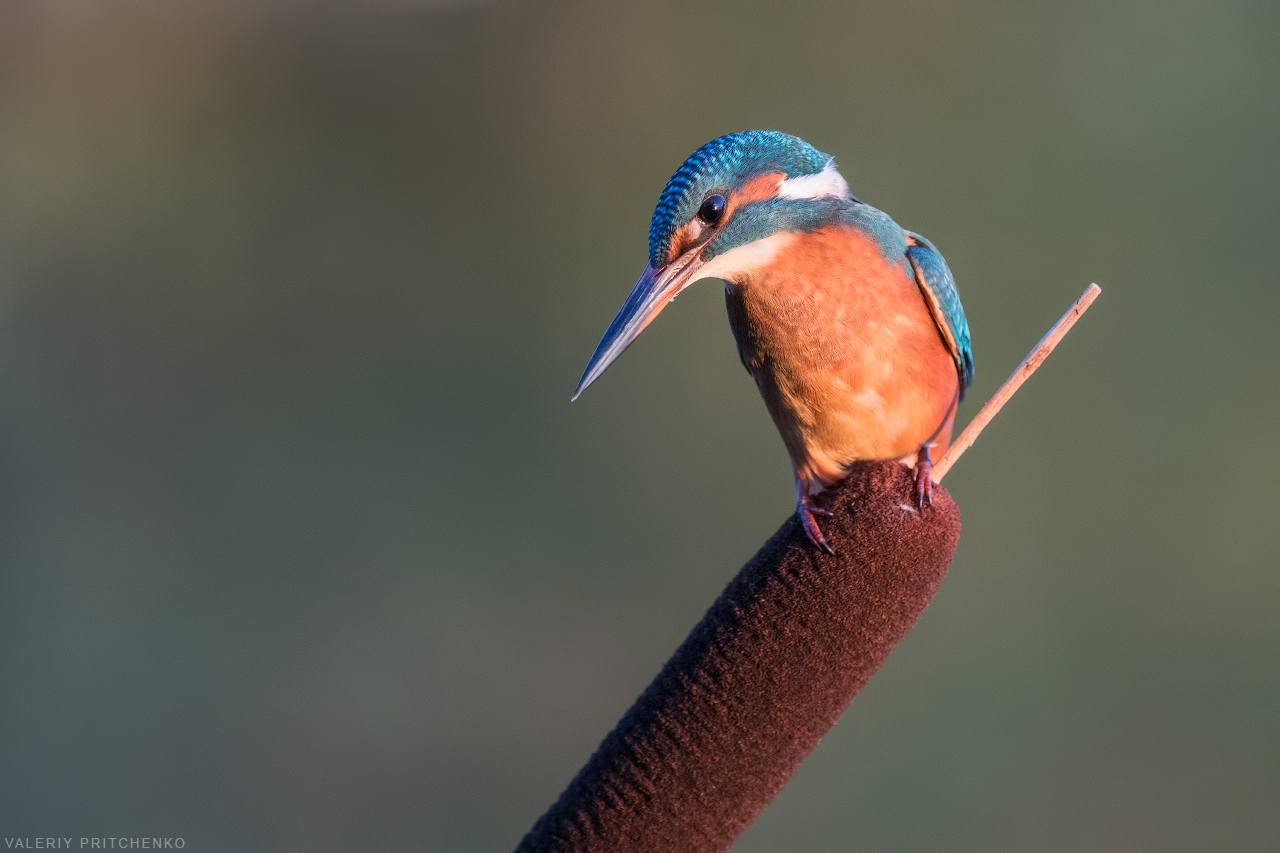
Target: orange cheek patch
[(758, 188)]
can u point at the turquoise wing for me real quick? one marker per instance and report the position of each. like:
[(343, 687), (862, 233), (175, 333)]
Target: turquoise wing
[(939, 289)]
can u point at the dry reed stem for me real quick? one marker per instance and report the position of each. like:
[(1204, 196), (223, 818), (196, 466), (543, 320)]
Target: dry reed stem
[(1014, 382)]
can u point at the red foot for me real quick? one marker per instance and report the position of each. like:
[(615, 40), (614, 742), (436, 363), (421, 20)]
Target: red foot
[(924, 483), (806, 510)]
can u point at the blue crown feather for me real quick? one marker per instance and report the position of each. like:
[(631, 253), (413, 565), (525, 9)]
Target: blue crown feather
[(722, 164)]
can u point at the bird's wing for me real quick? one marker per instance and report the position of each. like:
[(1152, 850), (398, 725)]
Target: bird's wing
[(939, 289)]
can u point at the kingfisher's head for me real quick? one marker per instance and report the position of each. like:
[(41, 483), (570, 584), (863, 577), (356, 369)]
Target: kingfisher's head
[(724, 213)]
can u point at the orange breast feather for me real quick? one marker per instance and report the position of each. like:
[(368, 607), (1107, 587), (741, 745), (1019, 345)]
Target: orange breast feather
[(845, 352)]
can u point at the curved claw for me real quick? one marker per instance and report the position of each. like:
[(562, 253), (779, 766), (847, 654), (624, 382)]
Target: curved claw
[(806, 510), (811, 528), (924, 482)]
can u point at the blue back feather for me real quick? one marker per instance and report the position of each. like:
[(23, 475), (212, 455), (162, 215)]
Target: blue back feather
[(937, 277)]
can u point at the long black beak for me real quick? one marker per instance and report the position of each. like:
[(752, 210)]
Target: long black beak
[(656, 287)]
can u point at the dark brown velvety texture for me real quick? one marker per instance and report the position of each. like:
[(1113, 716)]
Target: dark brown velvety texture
[(765, 674)]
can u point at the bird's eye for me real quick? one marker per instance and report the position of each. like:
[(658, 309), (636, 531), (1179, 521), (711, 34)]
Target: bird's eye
[(712, 209)]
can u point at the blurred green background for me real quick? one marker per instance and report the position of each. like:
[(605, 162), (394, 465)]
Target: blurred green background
[(302, 546)]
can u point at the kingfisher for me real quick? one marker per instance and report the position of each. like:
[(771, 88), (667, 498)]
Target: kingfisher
[(851, 326)]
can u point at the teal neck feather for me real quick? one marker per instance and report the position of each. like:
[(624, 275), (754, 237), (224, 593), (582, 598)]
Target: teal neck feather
[(759, 219)]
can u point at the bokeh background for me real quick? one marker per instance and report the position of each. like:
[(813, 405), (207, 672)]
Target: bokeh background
[(302, 546)]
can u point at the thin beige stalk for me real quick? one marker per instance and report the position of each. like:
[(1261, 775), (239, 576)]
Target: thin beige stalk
[(1028, 367)]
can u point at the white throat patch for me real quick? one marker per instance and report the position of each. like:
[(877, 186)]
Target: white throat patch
[(828, 182), (743, 261)]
